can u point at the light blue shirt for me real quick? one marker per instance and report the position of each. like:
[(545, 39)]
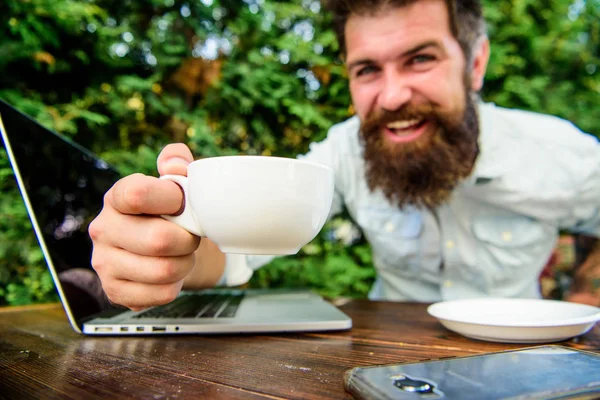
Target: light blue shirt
[(535, 175)]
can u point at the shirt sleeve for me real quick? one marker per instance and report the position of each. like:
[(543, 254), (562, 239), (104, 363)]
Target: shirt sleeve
[(586, 208)]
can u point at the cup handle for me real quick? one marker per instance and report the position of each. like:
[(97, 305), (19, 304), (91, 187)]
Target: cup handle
[(187, 219)]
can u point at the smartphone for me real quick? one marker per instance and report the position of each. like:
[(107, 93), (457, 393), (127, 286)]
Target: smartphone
[(542, 372)]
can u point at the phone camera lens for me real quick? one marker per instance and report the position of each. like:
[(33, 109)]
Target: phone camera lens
[(413, 385)]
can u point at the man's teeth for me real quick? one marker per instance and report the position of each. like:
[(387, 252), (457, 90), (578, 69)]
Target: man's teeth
[(403, 124)]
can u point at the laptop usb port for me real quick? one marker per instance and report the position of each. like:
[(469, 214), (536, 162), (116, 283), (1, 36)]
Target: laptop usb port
[(124, 329), (103, 329), (140, 329), (159, 329)]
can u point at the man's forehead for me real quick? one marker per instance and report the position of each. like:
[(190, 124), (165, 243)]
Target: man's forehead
[(406, 26)]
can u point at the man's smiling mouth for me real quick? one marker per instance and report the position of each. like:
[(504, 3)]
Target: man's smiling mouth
[(406, 130)]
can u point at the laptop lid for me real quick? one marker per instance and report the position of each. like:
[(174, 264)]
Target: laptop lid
[(63, 186)]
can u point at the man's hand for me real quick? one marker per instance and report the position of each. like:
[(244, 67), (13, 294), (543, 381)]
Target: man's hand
[(142, 259), (586, 282), (583, 298)]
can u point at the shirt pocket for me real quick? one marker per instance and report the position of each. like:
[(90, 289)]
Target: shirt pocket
[(512, 247), (394, 238)]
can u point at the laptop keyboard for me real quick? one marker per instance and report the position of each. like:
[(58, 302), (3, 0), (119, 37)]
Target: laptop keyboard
[(202, 305)]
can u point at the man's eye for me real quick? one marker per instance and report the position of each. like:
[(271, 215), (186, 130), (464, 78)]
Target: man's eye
[(366, 70), (422, 58)]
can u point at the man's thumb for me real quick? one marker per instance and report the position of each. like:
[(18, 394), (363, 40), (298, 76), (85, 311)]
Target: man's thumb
[(174, 159)]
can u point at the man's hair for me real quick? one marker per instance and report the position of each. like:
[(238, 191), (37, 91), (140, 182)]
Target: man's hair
[(466, 18)]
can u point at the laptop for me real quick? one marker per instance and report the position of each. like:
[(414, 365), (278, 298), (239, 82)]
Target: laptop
[(62, 185)]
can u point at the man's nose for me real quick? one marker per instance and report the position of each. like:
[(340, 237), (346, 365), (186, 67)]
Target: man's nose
[(395, 92)]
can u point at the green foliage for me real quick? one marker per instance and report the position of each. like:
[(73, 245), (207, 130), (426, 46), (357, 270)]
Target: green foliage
[(546, 57), (24, 278), (251, 77)]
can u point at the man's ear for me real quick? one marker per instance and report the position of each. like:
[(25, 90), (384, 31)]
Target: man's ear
[(481, 56)]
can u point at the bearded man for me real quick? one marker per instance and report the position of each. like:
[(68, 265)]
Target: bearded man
[(457, 198)]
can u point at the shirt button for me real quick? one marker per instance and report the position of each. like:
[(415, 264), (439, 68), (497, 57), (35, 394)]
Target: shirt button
[(507, 236), (448, 283), (389, 227), (449, 244)]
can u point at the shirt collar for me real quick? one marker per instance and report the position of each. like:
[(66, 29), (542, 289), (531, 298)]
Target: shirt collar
[(488, 165)]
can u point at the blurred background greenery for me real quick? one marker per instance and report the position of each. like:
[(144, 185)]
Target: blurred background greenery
[(126, 77)]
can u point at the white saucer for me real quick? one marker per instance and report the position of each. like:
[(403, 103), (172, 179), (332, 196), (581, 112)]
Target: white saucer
[(516, 320)]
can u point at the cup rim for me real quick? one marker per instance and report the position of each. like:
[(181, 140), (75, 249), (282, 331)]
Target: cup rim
[(274, 159)]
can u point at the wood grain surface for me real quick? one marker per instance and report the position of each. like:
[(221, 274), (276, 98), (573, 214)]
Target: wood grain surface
[(41, 357)]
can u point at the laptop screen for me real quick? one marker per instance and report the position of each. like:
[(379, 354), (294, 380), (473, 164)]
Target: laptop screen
[(65, 185)]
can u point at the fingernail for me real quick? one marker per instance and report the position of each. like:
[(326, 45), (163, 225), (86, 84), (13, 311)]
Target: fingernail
[(177, 161)]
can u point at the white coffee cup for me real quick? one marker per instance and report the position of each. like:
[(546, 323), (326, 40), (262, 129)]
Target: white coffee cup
[(255, 204)]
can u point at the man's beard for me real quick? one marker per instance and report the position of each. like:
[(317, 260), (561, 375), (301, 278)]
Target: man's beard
[(423, 172)]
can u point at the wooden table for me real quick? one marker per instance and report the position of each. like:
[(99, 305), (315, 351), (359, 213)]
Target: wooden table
[(42, 357)]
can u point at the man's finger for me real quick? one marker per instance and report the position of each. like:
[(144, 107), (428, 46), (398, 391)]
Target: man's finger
[(123, 265), (143, 235), (174, 159), (140, 194), (139, 296)]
